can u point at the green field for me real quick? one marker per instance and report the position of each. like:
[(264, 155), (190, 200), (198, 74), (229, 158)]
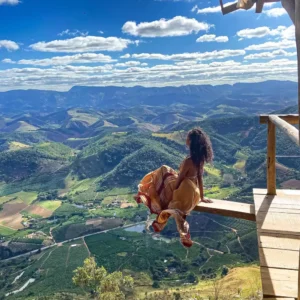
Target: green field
[(51, 205), (85, 184), (27, 197), (53, 269), (5, 231)]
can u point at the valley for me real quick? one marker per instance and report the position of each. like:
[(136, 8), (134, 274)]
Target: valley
[(69, 168)]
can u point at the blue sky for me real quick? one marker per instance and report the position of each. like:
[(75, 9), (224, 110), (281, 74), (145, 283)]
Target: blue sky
[(61, 43)]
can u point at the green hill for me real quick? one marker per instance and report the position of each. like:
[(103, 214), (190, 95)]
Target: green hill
[(42, 158)]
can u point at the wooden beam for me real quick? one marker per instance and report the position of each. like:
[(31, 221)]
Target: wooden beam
[(228, 209), (229, 8), (288, 129), (291, 119), (259, 6), (289, 6), (280, 283), (266, 298), (297, 28), (271, 159)]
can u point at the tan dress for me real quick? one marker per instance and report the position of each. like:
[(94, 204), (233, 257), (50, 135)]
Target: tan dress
[(157, 191)]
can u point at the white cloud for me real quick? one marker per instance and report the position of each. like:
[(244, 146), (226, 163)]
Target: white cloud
[(125, 56), (178, 26), (270, 55), (64, 60), (8, 61), (73, 33), (212, 38), (9, 45), (191, 56), (275, 12), (259, 32), (284, 44), (128, 64), (289, 33), (64, 77), (100, 31), (9, 2), (186, 63), (83, 44)]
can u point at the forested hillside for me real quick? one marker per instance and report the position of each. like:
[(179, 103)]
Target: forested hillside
[(69, 172)]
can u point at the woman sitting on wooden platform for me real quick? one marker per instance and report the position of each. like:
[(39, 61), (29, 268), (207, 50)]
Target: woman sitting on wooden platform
[(168, 193)]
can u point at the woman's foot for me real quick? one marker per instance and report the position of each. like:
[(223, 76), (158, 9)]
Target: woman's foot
[(156, 226), (186, 241), (187, 244), (137, 198)]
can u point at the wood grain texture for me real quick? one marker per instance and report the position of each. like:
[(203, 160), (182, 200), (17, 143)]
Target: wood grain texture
[(271, 159), (278, 258), (279, 282), (278, 230), (291, 119), (259, 6), (278, 241), (228, 209), (288, 129)]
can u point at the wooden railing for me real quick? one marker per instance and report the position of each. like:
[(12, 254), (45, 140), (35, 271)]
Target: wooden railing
[(285, 123)]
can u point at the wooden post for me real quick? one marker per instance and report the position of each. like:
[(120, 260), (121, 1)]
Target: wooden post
[(271, 162), (299, 278), (297, 26)]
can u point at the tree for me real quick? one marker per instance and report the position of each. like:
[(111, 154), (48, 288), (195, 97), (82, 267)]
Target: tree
[(192, 278), (100, 283), (225, 271)]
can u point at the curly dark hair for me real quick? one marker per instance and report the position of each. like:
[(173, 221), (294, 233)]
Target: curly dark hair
[(200, 147)]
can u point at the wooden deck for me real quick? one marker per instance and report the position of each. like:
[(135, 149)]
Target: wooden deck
[(278, 229)]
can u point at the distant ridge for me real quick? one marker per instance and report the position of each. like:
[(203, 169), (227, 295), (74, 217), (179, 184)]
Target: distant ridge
[(277, 94)]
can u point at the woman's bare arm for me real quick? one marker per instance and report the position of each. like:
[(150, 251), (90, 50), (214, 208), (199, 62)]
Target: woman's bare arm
[(200, 182)]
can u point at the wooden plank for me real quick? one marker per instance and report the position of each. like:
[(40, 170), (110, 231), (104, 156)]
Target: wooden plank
[(259, 6), (291, 119), (288, 196), (267, 298), (260, 191), (228, 209), (278, 222), (278, 204), (299, 276), (278, 258), (271, 159), (279, 282), (278, 241), (280, 192), (288, 129), (229, 8)]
